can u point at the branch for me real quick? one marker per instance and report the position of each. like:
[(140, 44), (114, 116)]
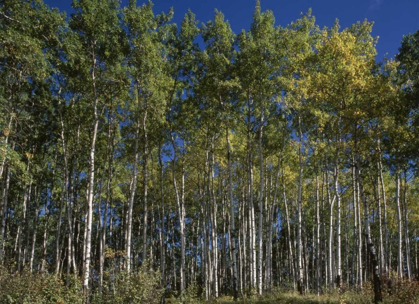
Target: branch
[(10, 18)]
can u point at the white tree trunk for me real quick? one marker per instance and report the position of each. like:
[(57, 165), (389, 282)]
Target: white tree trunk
[(299, 212), (318, 259), (261, 197), (380, 226), (145, 182), (338, 228), (233, 239), (400, 271), (91, 179)]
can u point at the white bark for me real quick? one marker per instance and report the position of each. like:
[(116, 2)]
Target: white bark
[(91, 178), (338, 228), (133, 188), (233, 239), (287, 218), (400, 270), (386, 234), (406, 229), (181, 213), (214, 224), (380, 227), (318, 259), (261, 197), (299, 203), (145, 182)]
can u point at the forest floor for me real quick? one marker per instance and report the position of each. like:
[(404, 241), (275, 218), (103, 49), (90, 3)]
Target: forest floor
[(291, 298)]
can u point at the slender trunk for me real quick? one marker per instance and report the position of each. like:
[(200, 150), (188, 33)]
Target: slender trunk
[(355, 261), (380, 227), (270, 227), (233, 239), (44, 240), (133, 188), (361, 269), (91, 178), (179, 203), (58, 234), (406, 229), (145, 182), (102, 248), (5, 196), (182, 235), (252, 236), (261, 197), (22, 222), (330, 255), (161, 232), (287, 218), (214, 227), (35, 226), (318, 260), (66, 186), (338, 227), (386, 239), (299, 203), (371, 249), (400, 271)]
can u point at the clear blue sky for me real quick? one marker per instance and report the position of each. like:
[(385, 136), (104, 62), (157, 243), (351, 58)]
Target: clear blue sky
[(392, 18)]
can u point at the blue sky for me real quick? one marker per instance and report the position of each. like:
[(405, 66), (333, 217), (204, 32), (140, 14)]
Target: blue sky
[(392, 18)]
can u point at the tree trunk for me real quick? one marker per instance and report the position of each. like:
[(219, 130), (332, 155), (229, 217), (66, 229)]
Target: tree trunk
[(406, 229), (400, 271), (145, 182), (386, 234), (299, 205), (371, 249), (318, 259), (161, 232), (35, 226), (181, 213), (91, 178), (380, 228), (338, 224), (233, 239), (261, 197), (133, 188)]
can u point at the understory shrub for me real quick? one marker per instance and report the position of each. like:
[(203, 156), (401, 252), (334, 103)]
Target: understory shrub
[(142, 287), (26, 287)]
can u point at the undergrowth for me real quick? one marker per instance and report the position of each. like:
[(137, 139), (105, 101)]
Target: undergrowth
[(144, 287)]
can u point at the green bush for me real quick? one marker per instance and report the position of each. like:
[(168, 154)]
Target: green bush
[(25, 287), (37, 288), (140, 287), (191, 295)]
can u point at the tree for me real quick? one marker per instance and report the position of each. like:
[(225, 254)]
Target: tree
[(97, 26)]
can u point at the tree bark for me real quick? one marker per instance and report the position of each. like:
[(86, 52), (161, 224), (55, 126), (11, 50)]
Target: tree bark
[(233, 238), (371, 249), (91, 178), (400, 271)]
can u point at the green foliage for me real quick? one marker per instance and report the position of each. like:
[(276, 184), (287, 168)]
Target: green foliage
[(121, 68), (191, 296), (140, 287), (37, 288)]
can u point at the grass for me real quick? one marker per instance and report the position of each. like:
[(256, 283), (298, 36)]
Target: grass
[(291, 298)]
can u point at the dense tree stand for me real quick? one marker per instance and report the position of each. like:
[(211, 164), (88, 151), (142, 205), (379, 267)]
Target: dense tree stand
[(142, 159)]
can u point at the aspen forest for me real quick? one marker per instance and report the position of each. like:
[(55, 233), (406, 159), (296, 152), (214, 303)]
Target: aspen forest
[(148, 161)]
